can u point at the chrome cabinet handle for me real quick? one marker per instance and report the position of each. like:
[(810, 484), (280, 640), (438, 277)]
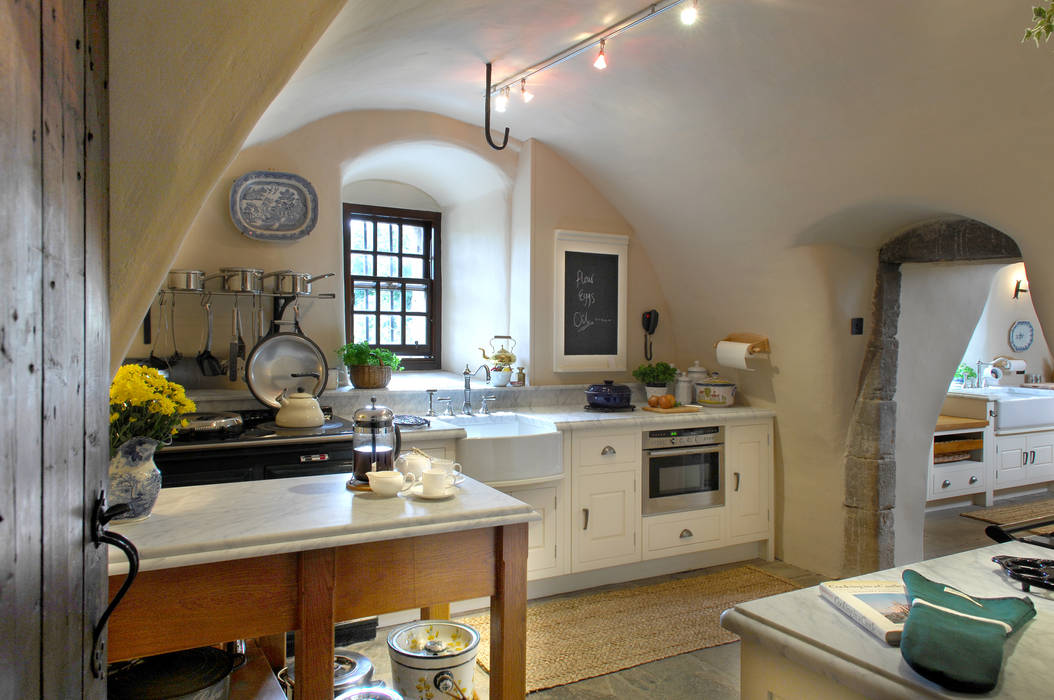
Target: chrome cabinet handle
[(945, 484), (737, 481), (686, 533), (1032, 457), (608, 450), (973, 479), (585, 518)]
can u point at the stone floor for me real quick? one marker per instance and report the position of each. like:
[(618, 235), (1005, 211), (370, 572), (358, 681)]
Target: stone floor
[(714, 672)]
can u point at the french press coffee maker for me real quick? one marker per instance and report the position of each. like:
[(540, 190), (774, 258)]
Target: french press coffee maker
[(376, 441)]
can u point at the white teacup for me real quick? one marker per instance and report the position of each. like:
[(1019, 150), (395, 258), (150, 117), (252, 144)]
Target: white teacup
[(390, 483), (435, 482), (412, 463), (450, 467)]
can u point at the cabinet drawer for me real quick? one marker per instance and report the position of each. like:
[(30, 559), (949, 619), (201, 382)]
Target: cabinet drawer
[(679, 533), (952, 482), (599, 449)]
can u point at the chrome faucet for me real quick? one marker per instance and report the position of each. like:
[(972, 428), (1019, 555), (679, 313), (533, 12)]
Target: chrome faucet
[(466, 407), (1000, 363)]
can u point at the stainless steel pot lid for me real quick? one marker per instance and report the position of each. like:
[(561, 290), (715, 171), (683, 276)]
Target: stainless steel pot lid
[(171, 675), (211, 422), (286, 362), (350, 669)]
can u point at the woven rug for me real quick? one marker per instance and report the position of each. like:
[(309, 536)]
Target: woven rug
[(1004, 515), (570, 639)]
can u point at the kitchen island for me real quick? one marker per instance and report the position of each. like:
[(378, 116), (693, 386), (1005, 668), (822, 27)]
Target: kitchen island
[(798, 645), (258, 559)]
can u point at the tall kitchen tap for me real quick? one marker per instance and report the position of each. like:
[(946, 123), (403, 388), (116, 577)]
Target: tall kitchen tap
[(466, 407)]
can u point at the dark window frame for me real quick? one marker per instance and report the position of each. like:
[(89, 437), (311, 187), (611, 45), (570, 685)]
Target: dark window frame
[(431, 221)]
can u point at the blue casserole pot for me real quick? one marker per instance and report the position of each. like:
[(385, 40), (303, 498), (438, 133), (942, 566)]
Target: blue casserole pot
[(608, 395)]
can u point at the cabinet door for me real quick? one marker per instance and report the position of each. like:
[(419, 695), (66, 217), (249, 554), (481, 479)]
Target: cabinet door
[(541, 534), (1040, 457), (605, 520), (1010, 461), (748, 460)]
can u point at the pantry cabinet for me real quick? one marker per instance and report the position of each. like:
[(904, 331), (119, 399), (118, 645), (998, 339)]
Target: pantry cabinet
[(748, 476)]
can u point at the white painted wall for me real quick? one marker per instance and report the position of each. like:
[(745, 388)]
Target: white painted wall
[(386, 193), (939, 307), (990, 337)]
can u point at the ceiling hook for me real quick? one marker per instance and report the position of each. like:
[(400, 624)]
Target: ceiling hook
[(486, 119)]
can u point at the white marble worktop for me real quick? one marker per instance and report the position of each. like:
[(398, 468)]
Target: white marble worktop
[(811, 632), (220, 522)]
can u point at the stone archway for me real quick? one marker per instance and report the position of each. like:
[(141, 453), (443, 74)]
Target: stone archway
[(870, 466)]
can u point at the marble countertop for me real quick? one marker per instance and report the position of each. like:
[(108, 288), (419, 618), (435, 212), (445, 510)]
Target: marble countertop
[(220, 522), (811, 632)]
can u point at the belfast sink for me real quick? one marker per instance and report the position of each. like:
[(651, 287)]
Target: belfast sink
[(1017, 408), (508, 447)]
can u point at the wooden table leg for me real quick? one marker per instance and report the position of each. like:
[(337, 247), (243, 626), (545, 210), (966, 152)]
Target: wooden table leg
[(314, 636), (440, 611), (508, 616), (273, 648)]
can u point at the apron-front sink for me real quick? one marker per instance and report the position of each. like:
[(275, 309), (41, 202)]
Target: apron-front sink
[(508, 447)]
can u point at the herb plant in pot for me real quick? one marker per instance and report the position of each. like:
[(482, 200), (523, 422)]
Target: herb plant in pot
[(369, 368), (655, 377)]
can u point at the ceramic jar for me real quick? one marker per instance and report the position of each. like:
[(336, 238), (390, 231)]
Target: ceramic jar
[(433, 659), (134, 478)]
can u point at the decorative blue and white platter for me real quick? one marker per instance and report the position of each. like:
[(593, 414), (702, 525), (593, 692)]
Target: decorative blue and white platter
[(270, 206)]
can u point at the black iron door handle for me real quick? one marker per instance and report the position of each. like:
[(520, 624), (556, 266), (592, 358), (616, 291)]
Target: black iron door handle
[(100, 536)]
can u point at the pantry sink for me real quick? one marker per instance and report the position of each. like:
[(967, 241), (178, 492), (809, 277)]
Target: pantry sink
[(508, 447), (1017, 408)]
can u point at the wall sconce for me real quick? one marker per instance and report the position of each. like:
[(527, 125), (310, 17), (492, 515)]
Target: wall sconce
[(1020, 288)]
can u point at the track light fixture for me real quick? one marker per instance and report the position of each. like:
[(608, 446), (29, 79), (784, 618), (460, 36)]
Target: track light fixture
[(690, 13), (526, 94), (601, 63)]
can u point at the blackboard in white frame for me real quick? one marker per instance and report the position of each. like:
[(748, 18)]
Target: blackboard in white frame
[(590, 278)]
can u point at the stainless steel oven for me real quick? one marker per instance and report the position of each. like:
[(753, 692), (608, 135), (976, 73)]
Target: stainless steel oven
[(684, 469)]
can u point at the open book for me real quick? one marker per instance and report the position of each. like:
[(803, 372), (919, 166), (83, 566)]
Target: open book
[(880, 607)]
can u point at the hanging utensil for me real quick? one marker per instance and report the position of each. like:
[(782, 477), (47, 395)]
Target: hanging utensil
[(176, 355), (158, 351), (232, 351), (238, 329), (260, 332), (208, 363)]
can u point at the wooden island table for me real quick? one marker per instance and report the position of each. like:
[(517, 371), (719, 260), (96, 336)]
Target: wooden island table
[(253, 560)]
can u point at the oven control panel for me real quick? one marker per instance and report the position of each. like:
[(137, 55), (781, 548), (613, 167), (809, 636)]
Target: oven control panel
[(683, 437)]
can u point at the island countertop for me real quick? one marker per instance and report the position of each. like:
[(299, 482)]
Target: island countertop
[(809, 632), (220, 522)]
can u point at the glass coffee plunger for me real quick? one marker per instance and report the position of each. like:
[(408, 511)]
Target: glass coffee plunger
[(376, 441)]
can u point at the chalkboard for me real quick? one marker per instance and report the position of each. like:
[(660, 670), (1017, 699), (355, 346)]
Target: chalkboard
[(591, 303)]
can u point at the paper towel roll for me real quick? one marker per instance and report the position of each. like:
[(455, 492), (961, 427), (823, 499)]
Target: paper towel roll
[(730, 354), (1017, 366)]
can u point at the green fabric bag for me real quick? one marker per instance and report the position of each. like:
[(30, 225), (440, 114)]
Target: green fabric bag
[(957, 640)]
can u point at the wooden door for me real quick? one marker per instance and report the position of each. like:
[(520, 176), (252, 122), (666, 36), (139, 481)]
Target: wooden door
[(54, 343)]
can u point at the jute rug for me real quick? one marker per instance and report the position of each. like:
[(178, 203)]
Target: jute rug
[(570, 639), (1004, 515)]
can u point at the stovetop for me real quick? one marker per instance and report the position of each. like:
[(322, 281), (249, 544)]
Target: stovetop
[(258, 428)]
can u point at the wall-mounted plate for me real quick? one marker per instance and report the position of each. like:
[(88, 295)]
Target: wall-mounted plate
[(1021, 336), (270, 206)]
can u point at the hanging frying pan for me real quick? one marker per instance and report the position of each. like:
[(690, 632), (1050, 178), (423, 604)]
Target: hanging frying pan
[(289, 362)]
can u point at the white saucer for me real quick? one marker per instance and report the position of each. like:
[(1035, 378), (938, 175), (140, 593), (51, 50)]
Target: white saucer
[(417, 491)]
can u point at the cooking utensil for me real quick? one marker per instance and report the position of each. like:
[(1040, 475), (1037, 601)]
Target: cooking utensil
[(242, 279), (188, 280), (715, 392), (159, 351), (295, 283), (208, 363), (377, 439), (608, 395), (232, 350), (176, 355), (288, 362), (238, 330), (193, 674), (350, 670), (299, 410)]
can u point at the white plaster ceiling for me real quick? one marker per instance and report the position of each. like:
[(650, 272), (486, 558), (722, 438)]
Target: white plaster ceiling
[(786, 121)]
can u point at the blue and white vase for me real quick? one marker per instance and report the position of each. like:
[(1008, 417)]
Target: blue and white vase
[(134, 478)]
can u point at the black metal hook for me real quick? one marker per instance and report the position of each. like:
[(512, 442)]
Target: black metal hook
[(100, 536), (486, 119)]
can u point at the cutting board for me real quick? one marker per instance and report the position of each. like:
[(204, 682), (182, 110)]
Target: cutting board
[(675, 409)]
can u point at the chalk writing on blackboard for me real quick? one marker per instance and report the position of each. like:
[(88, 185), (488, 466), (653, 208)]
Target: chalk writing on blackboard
[(590, 303)]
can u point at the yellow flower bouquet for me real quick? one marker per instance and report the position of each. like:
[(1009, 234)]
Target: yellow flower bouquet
[(145, 404)]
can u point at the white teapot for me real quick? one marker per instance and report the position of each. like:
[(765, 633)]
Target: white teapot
[(299, 411)]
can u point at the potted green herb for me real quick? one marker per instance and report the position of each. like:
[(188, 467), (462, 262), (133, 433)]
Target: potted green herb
[(963, 375), (369, 368), (656, 378)]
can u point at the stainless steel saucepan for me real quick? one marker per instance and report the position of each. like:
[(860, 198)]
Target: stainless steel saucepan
[(242, 279), (294, 283), (188, 280)]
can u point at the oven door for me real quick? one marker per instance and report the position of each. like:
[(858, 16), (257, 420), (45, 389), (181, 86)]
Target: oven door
[(683, 478)]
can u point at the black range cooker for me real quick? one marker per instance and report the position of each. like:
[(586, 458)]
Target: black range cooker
[(220, 448)]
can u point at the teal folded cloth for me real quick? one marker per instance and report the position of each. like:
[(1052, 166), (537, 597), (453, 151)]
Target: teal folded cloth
[(955, 639)]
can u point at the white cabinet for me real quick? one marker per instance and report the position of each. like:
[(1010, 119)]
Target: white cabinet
[(544, 555), (1024, 458), (748, 478), (605, 518), (681, 533)]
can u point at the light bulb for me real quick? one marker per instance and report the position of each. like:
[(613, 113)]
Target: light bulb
[(526, 94), (502, 100), (601, 63), (690, 13)]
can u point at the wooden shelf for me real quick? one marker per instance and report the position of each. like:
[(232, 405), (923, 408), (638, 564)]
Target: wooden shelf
[(951, 446), (946, 423)]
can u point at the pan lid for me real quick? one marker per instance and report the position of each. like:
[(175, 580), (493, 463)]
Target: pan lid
[(287, 362)]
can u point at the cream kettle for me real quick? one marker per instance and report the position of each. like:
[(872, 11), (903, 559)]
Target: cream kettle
[(299, 411)]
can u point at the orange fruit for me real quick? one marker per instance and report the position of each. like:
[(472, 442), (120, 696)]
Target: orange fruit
[(653, 401), (667, 401)]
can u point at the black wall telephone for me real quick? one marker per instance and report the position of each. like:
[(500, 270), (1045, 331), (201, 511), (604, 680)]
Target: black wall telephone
[(650, 321)]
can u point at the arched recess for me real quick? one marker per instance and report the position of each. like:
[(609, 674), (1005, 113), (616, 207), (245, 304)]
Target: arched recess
[(870, 467)]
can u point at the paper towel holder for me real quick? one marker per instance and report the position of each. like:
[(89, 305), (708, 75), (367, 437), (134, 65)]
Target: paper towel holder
[(759, 344)]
